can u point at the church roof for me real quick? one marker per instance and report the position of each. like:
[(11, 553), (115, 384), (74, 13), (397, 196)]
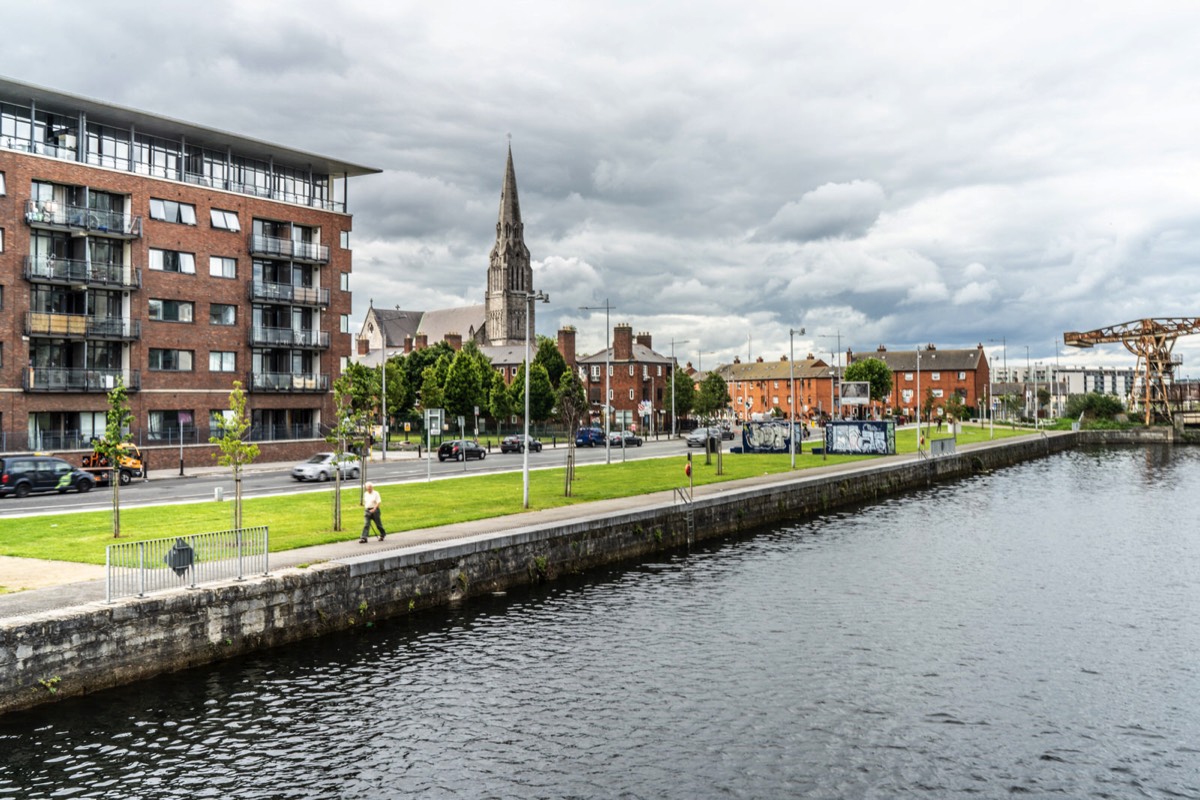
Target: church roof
[(464, 320)]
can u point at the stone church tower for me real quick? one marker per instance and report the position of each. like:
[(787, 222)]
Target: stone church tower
[(510, 275)]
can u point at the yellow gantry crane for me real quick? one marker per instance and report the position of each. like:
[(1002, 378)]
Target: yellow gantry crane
[(1151, 340)]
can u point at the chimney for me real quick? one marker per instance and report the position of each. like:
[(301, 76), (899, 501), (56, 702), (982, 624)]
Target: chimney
[(454, 340), (881, 349), (408, 344), (783, 358), (622, 342), (566, 344), (644, 340), (759, 360), (737, 359), (930, 346), (422, 342), (364, 347)]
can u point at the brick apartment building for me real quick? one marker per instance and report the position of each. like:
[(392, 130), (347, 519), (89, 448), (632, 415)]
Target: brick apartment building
[(928, 369), (175, 258), (638, 382), (757, 388)]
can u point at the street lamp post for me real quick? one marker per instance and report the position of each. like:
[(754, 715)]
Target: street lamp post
[(674, 367), (792, 388), (529, 298), (607, 374), (837, 362)]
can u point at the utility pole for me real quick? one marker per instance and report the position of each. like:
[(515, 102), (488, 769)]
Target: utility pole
[(607, 373)]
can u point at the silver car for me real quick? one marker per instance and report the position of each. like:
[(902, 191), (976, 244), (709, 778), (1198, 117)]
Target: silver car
[(322, 465)]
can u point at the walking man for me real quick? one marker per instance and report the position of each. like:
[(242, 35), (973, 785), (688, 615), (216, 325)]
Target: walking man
[(371, 503)]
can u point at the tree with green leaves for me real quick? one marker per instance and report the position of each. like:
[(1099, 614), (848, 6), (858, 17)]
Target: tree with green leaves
[(433, 395), (235, 451), (570, 400), (713, 396), (109, 447), (500, 403), (549, 357), (875, 372), (684, 388), (1094, 406), (463, 390), (347, 435), (541, 393)]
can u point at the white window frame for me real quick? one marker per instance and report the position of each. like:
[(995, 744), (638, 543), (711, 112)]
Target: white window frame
[(180, 357), (908, 376), (596, 371), (937, 376), (962, 376), (217, 266), (3, 185), (186, 261), (222, 361), (937, 393), (172, 211), (224, 220), (213, 319)]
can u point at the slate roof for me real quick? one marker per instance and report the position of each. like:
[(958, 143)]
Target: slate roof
[(641, 355), (931, 360), (773, 370)]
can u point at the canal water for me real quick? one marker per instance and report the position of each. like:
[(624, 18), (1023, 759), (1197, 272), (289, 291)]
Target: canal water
[(1028, 632)]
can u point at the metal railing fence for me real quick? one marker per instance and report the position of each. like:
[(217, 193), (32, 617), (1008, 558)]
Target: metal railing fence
[(156, 565)]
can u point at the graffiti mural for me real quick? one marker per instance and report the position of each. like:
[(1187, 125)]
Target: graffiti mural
[(770, 437), (861, 437)]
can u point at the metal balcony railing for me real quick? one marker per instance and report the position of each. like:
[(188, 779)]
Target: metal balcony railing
[(81, 326), (288, 337), (288, 382), (67, 379), (286, 293), (272, 246), (75, 271), (48, 213)]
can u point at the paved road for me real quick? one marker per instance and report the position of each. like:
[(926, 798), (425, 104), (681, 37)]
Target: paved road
[(260, 480)]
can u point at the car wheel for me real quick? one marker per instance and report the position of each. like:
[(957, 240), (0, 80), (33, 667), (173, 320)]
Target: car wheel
[(126, 477), (354, 474), (83, 486), (440, 458), (481, 455), (22, 490), (461, 456), (324, 476)]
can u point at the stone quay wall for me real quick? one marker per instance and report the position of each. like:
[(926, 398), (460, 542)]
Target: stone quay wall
[(74, 651)]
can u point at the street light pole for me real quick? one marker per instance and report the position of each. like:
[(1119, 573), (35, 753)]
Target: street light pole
[(607, 374), (792, 388), (529, 298), (674, 367)]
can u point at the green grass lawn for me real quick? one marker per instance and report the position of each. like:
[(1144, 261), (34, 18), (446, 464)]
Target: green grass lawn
[(306, 518)]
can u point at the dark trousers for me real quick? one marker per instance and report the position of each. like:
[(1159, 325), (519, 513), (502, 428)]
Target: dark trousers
[(368, 518)]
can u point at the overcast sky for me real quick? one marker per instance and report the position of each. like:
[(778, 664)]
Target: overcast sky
[(720, 172)]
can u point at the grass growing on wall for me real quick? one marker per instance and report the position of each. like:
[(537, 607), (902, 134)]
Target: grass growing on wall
[(304, 519)]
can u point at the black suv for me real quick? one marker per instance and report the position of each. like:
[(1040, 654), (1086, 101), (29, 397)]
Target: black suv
[(21, 475)]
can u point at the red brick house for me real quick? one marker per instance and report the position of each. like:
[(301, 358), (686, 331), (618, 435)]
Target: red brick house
[(757, 388), (941, 372), (638, 382)]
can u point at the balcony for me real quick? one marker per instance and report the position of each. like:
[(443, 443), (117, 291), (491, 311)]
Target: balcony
[(65, 379), (273, 247), (81, 326), (264, 291), (289, 337), (288, 382), (82, 221), (81, 273)]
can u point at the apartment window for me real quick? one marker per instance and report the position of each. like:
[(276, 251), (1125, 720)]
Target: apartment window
[(659, 368), (907, 395), (345, 237), (344, 364), (962, 376), (596, 371), (171, 211), (163, 360), (776, 386), (631, 394), (345, 281), (225, 220), (3, 185), (345, 323), (631, 369), (610, 374), (169, 424), (222, 361), (937, 392), (937, 376), (172, 261), (222, 267), (610, 395), (171, 310), (1, 240), (222, 314), (775, 400)]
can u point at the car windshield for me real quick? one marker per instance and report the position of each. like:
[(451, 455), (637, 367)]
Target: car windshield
[(319, 458)]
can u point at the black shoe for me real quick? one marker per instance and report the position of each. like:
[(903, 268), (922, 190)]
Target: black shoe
[(362, 540), (382, 536)]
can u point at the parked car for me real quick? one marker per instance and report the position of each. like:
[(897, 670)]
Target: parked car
[(458, 449), (624, 439), (321, 467), (515, 444), (20, 475), (700, 436), (589, 437)]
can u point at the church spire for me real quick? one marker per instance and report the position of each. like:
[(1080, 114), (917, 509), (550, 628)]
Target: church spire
[(510, 274)]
